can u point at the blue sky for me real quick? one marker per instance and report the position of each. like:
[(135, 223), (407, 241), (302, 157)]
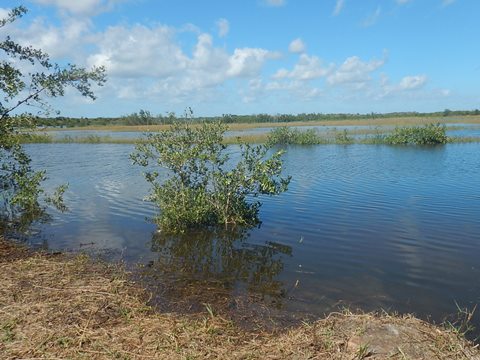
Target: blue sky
[(262, 56)]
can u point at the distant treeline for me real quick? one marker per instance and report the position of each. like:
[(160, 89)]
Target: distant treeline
[(144, 117)]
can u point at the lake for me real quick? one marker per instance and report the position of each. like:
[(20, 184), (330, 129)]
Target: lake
[(364, 226), (453, 129)]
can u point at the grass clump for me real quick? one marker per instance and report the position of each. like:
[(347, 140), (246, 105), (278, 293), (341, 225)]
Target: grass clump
[(430, 134), (287, 136), (343, 138)]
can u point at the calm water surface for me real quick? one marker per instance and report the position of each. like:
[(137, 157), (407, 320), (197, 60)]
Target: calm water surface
[(361, 225), (454, 129)]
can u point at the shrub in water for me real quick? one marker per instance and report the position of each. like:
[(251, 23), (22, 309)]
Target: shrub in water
[(286, 136), (203, 187), (430, 134), (343, 138)]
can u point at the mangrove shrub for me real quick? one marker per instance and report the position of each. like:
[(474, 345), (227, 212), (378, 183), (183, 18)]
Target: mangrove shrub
[(430, 134), (286, 136), (205, 183), (27, 79)]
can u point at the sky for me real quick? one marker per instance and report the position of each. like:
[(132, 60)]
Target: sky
[(261, 56)]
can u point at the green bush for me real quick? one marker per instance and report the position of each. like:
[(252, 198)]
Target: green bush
[(28, 79), (342, 137), (429, 134), (286, 136), (204, 186)]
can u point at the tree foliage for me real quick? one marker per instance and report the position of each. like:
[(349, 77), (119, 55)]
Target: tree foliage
[(206, 183), (28, 78)]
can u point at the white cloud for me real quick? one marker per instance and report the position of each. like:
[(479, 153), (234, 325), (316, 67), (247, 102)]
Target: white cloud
[(61, 41), (296, 89), (248, 61), (447, 2), (223, 27), (138, 51), (372, 18), (297, 46), (338, 7), (354, 71), (307, 68), (275, 2), (151, 64), (4, 13), (81, 7), (258, 91), (403, 2), (407, 84), (254, 91), (412, 82)]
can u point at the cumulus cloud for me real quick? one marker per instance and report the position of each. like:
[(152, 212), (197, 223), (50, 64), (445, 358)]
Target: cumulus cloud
[(354, 71), (297, 46), (307, 68), (338, 7), (407, 84), (412, 82), (223, 27), (298, 90), (138, 51), (153, 56), (57, 41), (248, 61), (141, 51)]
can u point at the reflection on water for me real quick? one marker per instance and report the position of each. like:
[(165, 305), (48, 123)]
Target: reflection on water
[(370, 226), (223, 258)]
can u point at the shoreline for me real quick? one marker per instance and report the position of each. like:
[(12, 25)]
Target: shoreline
[(377, 121), (71, 306)]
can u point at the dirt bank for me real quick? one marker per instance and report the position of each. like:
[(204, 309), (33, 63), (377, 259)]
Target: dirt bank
[(62, 306)]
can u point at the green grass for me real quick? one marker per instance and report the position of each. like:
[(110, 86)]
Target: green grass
[(427, 134), (286, 136)]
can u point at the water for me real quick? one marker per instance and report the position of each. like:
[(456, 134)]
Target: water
[(454, 129), (361, 225)]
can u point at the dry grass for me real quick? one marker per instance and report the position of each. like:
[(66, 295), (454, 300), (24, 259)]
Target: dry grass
[(65, 307), (392, 121)]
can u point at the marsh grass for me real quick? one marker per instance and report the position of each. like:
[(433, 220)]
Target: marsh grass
[(377, 121), (343, 137), (288, 136), (377, 135)]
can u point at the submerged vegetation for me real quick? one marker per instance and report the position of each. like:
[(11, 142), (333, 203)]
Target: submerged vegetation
[(419, 135), (205, 184), (286, 136), (430, 134)]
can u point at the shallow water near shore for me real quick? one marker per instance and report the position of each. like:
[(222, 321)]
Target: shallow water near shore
[(361, 225)]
